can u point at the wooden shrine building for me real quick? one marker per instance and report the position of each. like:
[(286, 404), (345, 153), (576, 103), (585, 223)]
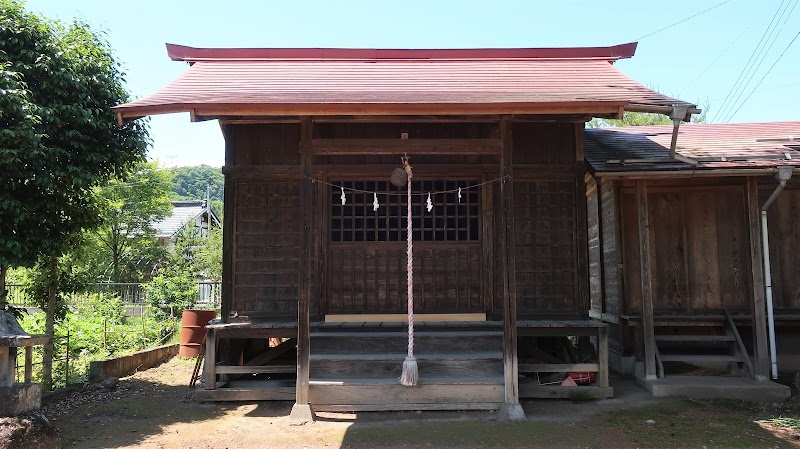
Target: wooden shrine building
[(314, 289), (678, 248)]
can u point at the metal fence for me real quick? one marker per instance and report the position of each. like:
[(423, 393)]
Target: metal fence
[(61, 368), (131, 293)]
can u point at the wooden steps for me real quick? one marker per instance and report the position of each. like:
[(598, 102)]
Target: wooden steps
[(359, 371), (701, 358), (696, 338), (708, 345)]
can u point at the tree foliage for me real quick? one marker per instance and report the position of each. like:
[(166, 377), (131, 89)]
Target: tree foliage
[(124, 244), (59, 139), (190, 183), (58, 135), (640, 119)]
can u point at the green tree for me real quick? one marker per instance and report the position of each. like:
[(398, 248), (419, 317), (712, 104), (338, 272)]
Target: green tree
[(59, 139), (209, 256), (190, 183), (640, 119), (125, 239)]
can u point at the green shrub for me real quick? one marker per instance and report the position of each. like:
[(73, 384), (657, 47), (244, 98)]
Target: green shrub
[(96, 328), (170, 292)]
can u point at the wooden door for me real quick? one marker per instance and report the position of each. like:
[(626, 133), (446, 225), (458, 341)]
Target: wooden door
[(366, 249)]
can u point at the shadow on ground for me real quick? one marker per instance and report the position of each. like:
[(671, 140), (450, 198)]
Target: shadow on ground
[(153, 409)]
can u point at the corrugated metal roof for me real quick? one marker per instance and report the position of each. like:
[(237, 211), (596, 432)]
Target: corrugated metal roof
[(315, 81), (716, 146), (182, 213)]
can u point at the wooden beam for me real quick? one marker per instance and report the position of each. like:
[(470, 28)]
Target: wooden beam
[(210, 364), (269, 369), (439, 172), (488, 232), (334, 147), (648, 335), (581, 242), (758, 306), (602, 357), (303, 312), (262, 171), (559, 367), (572, 108), (510, 362), (272, 353), (28, 363), (579, 142), (228, 228)]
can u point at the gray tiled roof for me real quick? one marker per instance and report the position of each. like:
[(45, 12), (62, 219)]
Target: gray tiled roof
[(182, 213)]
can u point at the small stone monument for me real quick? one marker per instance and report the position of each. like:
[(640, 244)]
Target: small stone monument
[(17, 398)]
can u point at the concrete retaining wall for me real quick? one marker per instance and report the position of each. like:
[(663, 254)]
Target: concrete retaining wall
[(131, 363)]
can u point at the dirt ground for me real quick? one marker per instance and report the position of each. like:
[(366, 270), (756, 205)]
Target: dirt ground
[(153, 409)]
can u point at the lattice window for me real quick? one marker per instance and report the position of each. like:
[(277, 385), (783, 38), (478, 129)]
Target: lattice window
[(449, 221)]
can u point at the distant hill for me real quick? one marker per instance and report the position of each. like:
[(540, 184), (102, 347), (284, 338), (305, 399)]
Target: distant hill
[(189, 183)]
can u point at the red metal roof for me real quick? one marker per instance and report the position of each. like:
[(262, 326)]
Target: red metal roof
[(223, 82), (716, 146), (191, 54)]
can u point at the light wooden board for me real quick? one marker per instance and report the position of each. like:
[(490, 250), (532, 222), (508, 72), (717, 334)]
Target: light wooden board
[(534, 391), (402, 318), (393, 394)]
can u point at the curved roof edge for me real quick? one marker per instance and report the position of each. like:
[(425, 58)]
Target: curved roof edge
[(192, 54)]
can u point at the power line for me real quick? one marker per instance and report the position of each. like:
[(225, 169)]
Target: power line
[(746, 69), (765, 75), (684, 20), (763, 56), (713, 62)]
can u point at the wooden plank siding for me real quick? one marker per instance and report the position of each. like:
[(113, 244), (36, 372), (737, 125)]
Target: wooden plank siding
[(265, 210), (700, 248), (611, 247), (367, 278), (783, 218), (263, 214)]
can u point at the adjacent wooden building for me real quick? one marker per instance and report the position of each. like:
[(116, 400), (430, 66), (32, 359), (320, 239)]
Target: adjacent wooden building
[(677, 247), (501, 265)]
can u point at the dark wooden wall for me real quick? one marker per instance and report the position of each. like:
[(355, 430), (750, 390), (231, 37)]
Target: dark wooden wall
[(263, 167), (266, 212), (699, 245), (550, 221), (784, 243)]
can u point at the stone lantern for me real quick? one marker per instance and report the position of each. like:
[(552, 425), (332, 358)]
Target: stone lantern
[(17, 398)]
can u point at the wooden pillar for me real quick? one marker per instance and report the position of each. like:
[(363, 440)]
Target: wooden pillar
[(28, 363), (228, 225), (602, 356), (758, 305), (648, 335), (210, 363), (301, 411), (511, 409)]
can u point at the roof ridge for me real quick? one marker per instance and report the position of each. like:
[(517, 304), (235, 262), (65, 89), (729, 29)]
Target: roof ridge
[(192, 54)]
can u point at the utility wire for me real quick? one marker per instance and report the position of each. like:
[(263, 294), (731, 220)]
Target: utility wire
[(680, 92), (774, 37), (684, 20), (765, 75), (746, 69)]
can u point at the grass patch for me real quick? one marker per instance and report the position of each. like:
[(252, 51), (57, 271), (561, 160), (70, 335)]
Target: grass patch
[(579, 396), (468, 434), (788, 422), (681, 423)]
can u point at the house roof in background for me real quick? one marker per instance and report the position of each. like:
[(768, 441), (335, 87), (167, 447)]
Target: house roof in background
[(715, 146), (236, 82), (182, 213)]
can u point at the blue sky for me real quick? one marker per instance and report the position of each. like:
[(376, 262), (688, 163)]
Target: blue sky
[(698, 60)]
